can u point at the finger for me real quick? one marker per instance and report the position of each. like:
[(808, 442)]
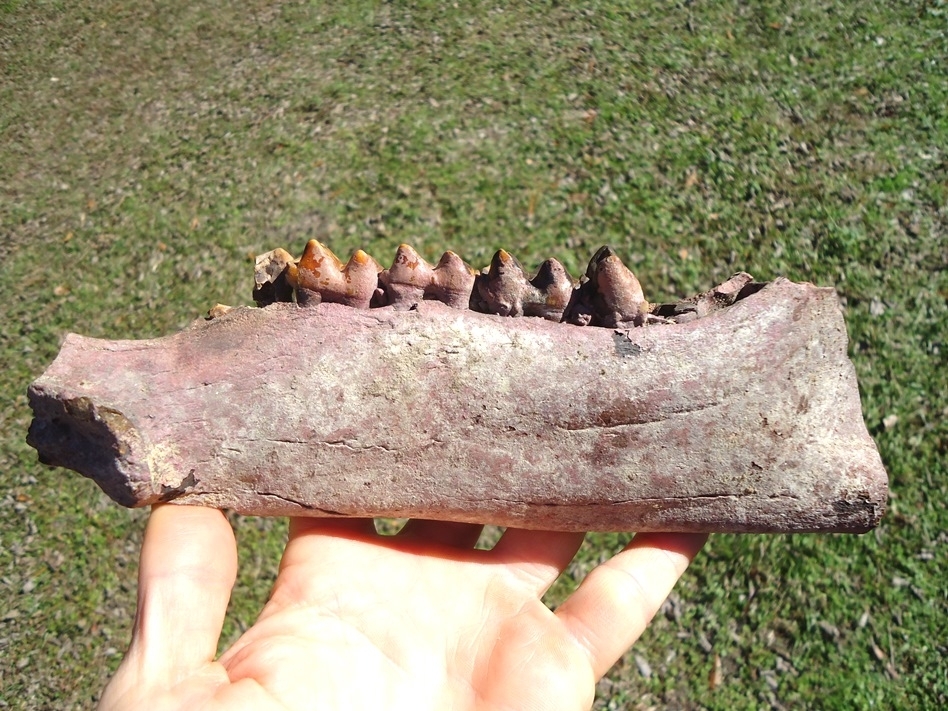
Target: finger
[(188, 568), (537, 557), (614, 604), (442, 533)]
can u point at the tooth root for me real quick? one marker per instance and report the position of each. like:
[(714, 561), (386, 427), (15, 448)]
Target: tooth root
[(611, 296), (272, 282), (701, 305), (218, 311)]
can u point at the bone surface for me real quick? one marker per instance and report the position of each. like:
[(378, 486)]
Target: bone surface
[(745, 420)]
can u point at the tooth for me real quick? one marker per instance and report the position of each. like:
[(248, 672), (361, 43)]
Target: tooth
[(502, 288), (620, 301), (271, 277), (321, 276), (411, 279), (748, 420), (505, 289), (452, 281), (405, 281), (611, 295), (552, 289)]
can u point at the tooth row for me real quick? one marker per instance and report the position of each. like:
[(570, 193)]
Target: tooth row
[(608, 294)]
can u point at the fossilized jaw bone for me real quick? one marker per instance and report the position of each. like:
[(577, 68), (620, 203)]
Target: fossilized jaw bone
[(746, 420), (743, 415)]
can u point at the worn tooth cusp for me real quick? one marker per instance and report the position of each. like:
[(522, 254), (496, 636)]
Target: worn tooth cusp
[(610, 295), (411, 279), (320, 276)]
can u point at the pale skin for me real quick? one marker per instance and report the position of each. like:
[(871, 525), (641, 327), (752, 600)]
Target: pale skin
[(357, 621)]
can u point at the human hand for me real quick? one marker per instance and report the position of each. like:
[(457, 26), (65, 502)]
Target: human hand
[(356, 621)]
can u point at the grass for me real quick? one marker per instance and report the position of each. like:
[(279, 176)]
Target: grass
[(146, 149)]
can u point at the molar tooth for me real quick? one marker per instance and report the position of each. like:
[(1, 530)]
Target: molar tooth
[(620, 299), (506, 290), (553, 288), (404, 282), (321, 276), (411, 279), (452, 281), (501, 289), (272, 277), (611, 296)]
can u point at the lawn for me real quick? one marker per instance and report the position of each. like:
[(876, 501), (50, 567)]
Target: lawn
[(149, 149)]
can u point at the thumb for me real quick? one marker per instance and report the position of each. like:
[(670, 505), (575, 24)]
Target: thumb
[(187, 570)]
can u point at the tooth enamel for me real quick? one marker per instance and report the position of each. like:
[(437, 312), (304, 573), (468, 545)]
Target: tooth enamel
[(505, 289), (611, 295), (502, 288), (453, 281), (411, 279), (321, 276), (620, 300), (552, 288)]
